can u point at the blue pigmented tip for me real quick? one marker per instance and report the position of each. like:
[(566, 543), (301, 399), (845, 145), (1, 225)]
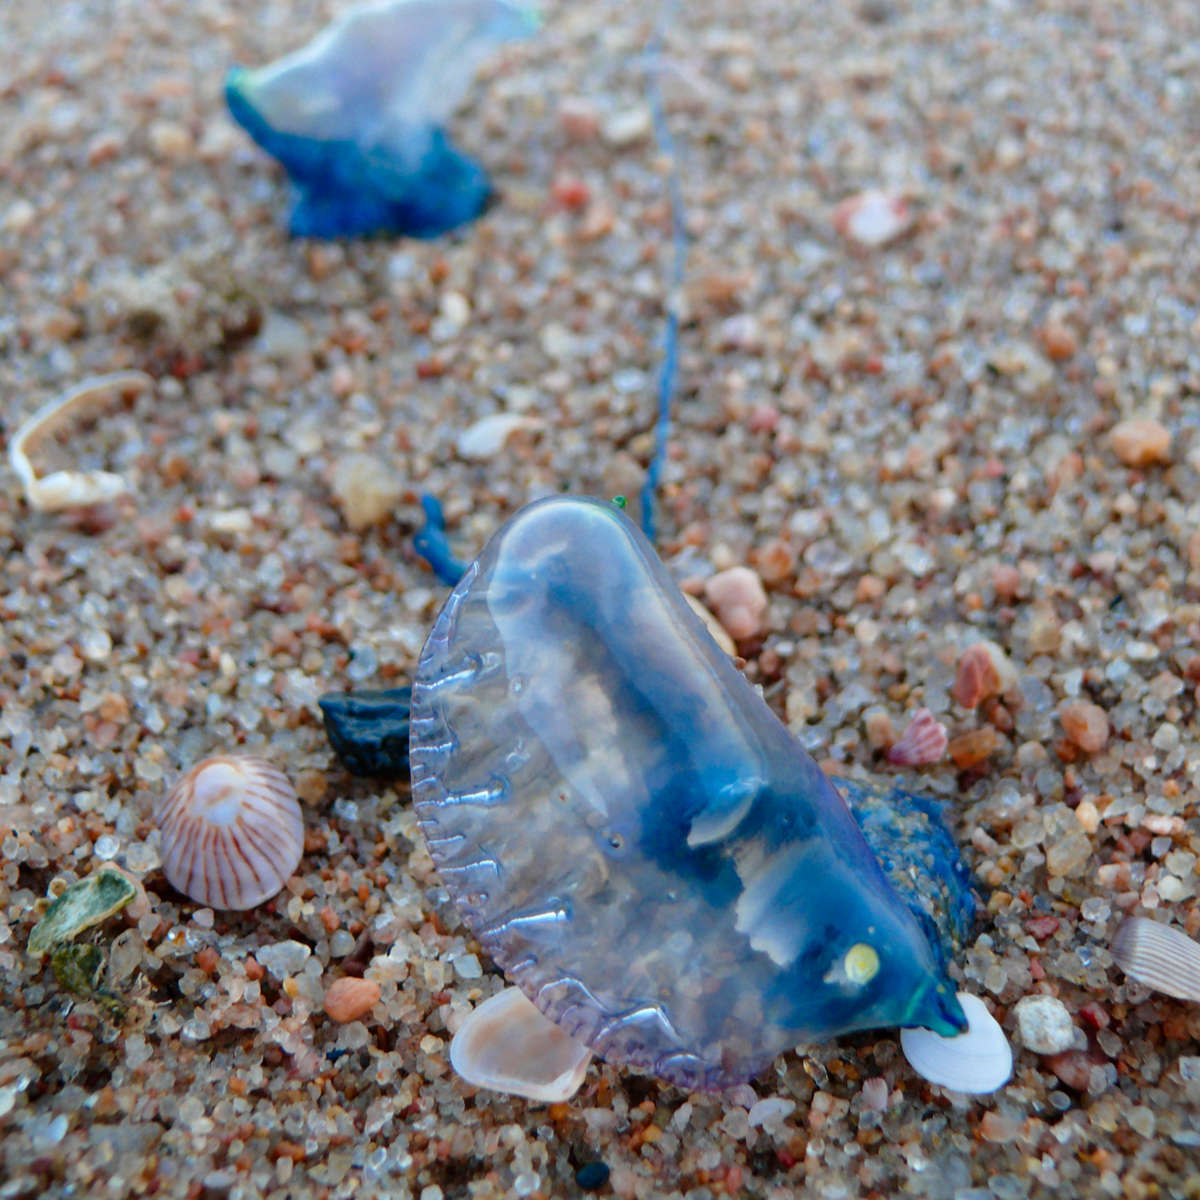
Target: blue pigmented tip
[(431, 544), (635, 837)]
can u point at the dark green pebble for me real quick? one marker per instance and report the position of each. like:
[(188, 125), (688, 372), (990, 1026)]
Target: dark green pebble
[(592, 1175)]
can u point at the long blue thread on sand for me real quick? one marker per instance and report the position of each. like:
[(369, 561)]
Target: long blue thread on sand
[(430, 542), (670, 360)]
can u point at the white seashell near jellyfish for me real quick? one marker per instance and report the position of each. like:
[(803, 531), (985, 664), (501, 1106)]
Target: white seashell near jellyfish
[(232, 832), (1159, 956), (976, 1062), (506, 1045)]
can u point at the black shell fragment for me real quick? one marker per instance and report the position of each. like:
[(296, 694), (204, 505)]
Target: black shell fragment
[(368, 730)]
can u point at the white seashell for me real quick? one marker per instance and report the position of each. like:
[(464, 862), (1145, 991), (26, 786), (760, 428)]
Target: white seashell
[(69, 489), (231, 832), (923, 741), (485, 439), (1159, 956), (506, 1045), (975, 1062)]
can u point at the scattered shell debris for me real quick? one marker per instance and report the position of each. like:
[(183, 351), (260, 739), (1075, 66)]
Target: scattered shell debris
[(923, 741), (1158, 955), (70, 488), (506, 1045), (976, 1062), (911, 444), (81, 905), (232, 832)]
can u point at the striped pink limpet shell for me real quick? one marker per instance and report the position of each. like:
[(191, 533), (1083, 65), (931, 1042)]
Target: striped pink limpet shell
[(232, 832), (923, 741)]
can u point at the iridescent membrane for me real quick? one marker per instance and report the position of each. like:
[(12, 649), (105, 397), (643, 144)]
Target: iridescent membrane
[(631, 833)]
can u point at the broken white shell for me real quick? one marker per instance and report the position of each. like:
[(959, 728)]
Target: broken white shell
[(506, 1045), (69, 489), (232, 832), (1159, 956), (975, 1062)]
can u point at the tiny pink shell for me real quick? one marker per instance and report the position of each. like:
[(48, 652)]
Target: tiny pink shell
[(923, 741), (232, 832)]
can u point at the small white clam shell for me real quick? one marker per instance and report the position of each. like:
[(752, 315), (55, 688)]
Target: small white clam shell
[(232, 832), (975, 1062), (1159, 956), (506, 1045)]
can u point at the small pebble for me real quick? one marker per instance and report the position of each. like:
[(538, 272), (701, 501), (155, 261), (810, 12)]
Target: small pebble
[(1072, 1067), (1086, 724), (628, 127), (875, 1094), (872, 218), (170, 140), (366, 489), (1141, 442), (1058, 341), (1045, 1024), (983, 670), (877, 725), (350, 998), (592, 1176), (578, 118), (738, 600), (973, 747), (486, 438)]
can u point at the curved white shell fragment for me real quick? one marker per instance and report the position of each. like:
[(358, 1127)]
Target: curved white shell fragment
[(232, 832), (506, 1045), (975, 1062), (1159, 956), (69, 489)]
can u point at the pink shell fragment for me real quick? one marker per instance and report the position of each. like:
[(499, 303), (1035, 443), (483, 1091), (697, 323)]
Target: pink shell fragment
[(923, 741)]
